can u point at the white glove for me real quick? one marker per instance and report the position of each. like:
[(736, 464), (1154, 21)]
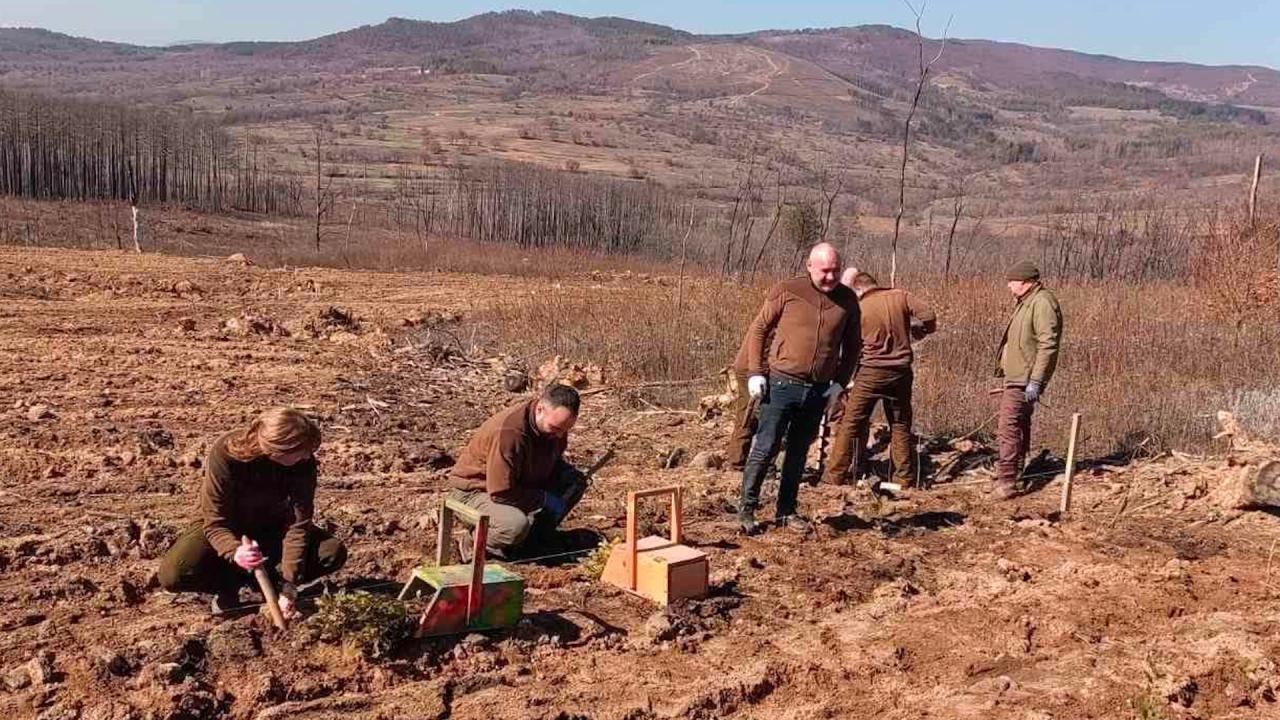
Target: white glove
[(756, 385)]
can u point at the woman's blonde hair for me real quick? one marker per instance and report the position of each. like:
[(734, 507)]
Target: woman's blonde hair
[(278, 431)]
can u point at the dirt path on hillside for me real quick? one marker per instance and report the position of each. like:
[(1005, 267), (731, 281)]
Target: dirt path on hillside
[(766, 79), (697, 56), (117, 370)]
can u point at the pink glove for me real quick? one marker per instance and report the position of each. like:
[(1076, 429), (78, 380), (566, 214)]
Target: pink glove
[(248, 556)]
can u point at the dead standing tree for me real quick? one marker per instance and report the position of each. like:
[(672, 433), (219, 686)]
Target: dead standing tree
[(957, 208), (780, 204), (742, 216), (923, 76), (62, 149), (324, 190), (829, 185)]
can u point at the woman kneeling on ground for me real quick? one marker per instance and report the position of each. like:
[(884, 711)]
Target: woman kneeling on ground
[(256, 505)]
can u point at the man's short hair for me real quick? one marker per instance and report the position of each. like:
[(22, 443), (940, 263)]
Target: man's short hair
[(864, 281), (559, 395)]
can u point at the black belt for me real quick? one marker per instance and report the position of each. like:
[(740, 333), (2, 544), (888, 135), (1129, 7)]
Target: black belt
[(789, 380)]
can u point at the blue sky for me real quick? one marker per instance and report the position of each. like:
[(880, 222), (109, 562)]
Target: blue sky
[(1222, 32)]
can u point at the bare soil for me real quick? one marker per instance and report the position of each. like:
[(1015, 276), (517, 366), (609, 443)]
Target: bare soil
[(116, 371)]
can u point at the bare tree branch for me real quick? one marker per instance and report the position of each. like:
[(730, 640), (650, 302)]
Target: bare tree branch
[(922, 78)]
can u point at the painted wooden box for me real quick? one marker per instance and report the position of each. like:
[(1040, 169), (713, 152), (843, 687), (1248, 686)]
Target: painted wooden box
[(500, 603), (473, 596)]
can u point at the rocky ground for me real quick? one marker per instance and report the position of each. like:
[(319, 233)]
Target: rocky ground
[(1152, 598)]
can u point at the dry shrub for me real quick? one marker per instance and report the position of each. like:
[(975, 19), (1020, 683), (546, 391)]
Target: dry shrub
[(1151, 360), (374, 625), (1237, 269), (592, 566), (637, 331)]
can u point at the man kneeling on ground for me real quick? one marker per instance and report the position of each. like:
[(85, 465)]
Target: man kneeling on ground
[(514, 471)]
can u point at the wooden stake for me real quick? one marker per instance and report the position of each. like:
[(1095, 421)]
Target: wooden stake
[(1071, 464), (1253, 191), (137, 247), (271, 598)]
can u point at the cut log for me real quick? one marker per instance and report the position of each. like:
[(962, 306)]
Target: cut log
[(1250, 487)]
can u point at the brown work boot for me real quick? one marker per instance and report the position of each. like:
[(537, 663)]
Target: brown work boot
[(465, 546), (1003, 490), (836, 478)]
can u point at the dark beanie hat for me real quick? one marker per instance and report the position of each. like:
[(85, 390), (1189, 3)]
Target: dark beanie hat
[(1025, 271)]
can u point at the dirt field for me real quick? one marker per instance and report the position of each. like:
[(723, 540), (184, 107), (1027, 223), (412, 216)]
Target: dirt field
[(117, 370)]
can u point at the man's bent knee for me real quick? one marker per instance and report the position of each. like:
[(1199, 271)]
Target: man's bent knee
[(508, 529)]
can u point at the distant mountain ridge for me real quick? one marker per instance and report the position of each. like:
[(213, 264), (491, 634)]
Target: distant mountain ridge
[(481, 42)]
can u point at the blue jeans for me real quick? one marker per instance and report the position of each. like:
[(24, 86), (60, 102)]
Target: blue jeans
[(790, 410)]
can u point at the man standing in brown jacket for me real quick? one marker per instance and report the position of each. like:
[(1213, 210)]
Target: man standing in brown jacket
[(1027, 358), (891, 319), (813, 320), (514, 471)]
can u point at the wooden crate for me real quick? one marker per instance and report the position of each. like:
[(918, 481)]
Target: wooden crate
[(661, 569)]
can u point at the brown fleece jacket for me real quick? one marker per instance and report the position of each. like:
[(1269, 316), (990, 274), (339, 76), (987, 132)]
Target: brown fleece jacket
[(886, 326), (816, 335), (509, 459), (257, 498)]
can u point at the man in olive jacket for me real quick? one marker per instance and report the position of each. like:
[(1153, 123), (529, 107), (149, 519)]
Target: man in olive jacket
[(797, 376), (1027, 358)]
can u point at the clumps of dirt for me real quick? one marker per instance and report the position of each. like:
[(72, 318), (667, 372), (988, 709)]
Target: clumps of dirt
[(1222, 684), (416, 458), (38, 672), (1013, 572), (577, 375), (688, 622), (152, 440), (891, 598), (41, 412), (182, 288), (431, 319), (103, 542), (332, 320), (246, 325), (757, 685)]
